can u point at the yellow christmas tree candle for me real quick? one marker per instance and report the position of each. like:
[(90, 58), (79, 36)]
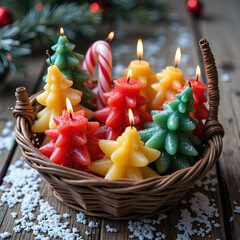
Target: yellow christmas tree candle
[(169, 81), (57, 89), (141, 72), (127, 157)]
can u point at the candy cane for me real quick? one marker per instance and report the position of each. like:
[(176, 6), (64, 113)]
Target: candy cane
[(100, 51)]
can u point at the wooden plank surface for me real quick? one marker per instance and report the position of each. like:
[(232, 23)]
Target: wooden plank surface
[(229, 163), (221, 26)]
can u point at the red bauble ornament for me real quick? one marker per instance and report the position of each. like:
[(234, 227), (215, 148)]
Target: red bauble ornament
[(97, 5), (5, 17), (195, 7)]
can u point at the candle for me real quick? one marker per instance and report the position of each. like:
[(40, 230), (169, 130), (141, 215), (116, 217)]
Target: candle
[(170, 80), (125, 95), (170, 132), (57, 88), (127, 157), (68, 63), (72, 139), (100, 51), (201, 112), (141, 71)]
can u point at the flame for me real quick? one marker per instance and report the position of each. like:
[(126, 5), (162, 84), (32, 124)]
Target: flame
[(131, 118), (61, 31), (69, 105), (139, 49), (198, 72), (177, 56), (129, 75), (110, 36)]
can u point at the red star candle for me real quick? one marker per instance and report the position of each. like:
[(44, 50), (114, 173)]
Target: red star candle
[(125, 95), (72, 139)]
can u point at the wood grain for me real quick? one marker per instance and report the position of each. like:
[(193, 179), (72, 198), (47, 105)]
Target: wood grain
[(7, 99), (221, 26), (225, 45)]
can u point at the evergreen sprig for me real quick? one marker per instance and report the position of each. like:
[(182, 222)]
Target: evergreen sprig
[(15, 38)]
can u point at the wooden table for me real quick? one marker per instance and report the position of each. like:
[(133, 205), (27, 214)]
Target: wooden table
[(221, 27)]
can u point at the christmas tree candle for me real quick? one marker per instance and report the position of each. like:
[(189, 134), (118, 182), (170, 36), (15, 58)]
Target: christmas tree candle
[(127, 157), (201, 112), (68, 63), (125, 95), (57, 88), (170, 132), (71, 140), (141, 72), (170, 80)]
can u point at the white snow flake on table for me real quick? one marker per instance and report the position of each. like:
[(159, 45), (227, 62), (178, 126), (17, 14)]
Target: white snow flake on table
[(7, 137)]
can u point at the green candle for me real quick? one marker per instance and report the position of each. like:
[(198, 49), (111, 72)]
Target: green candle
[(68, 63), (170, 133)]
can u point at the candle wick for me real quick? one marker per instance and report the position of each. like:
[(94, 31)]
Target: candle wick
[(197, 78), (139, 59), (128, 79), (70, 115), (131, 124), (47, 52), (189, 83), (176, 66)]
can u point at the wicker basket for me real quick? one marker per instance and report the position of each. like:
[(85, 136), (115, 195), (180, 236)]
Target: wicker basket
[(121, 199)]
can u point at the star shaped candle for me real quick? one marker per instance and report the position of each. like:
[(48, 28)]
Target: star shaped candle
[(127, 157), (72, 140)]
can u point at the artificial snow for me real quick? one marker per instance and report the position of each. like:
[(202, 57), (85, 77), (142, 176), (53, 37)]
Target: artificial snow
[(7, 137), (237, 209), (200, 210), (5, 235), (146, 228), (111, 229), (14, 215), (46, 223), (92, 224)]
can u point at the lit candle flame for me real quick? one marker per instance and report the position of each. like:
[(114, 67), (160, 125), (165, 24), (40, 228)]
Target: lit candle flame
[(131, 118), (69, 105), (129, 75), (198, 73), (110, 36), (139, 49), (177, 57), (61, 31)]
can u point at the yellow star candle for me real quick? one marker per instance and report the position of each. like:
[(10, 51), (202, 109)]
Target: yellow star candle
[(141, 72), (169, 81), (57, 89), (127, 157)]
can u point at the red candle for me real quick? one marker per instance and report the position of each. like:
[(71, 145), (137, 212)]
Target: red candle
[(125, 95), (72, 140), (201, 112)]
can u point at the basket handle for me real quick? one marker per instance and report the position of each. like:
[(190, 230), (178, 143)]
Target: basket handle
[(212, 125), (23, 108)]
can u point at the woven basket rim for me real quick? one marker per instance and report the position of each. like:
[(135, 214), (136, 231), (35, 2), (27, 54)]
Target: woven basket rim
[(213, 134)]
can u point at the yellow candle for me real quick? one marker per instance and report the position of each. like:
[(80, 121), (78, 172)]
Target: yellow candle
[(141, 71), (127, 157), (169, 81), (57, 89)]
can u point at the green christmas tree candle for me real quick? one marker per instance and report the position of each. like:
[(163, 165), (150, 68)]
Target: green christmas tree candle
[(170, 133), (68, 63)]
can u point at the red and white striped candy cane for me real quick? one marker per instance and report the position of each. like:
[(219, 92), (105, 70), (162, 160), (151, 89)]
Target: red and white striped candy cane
[(100, 51)]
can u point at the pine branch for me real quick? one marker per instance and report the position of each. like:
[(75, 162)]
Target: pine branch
[(44, 25)]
